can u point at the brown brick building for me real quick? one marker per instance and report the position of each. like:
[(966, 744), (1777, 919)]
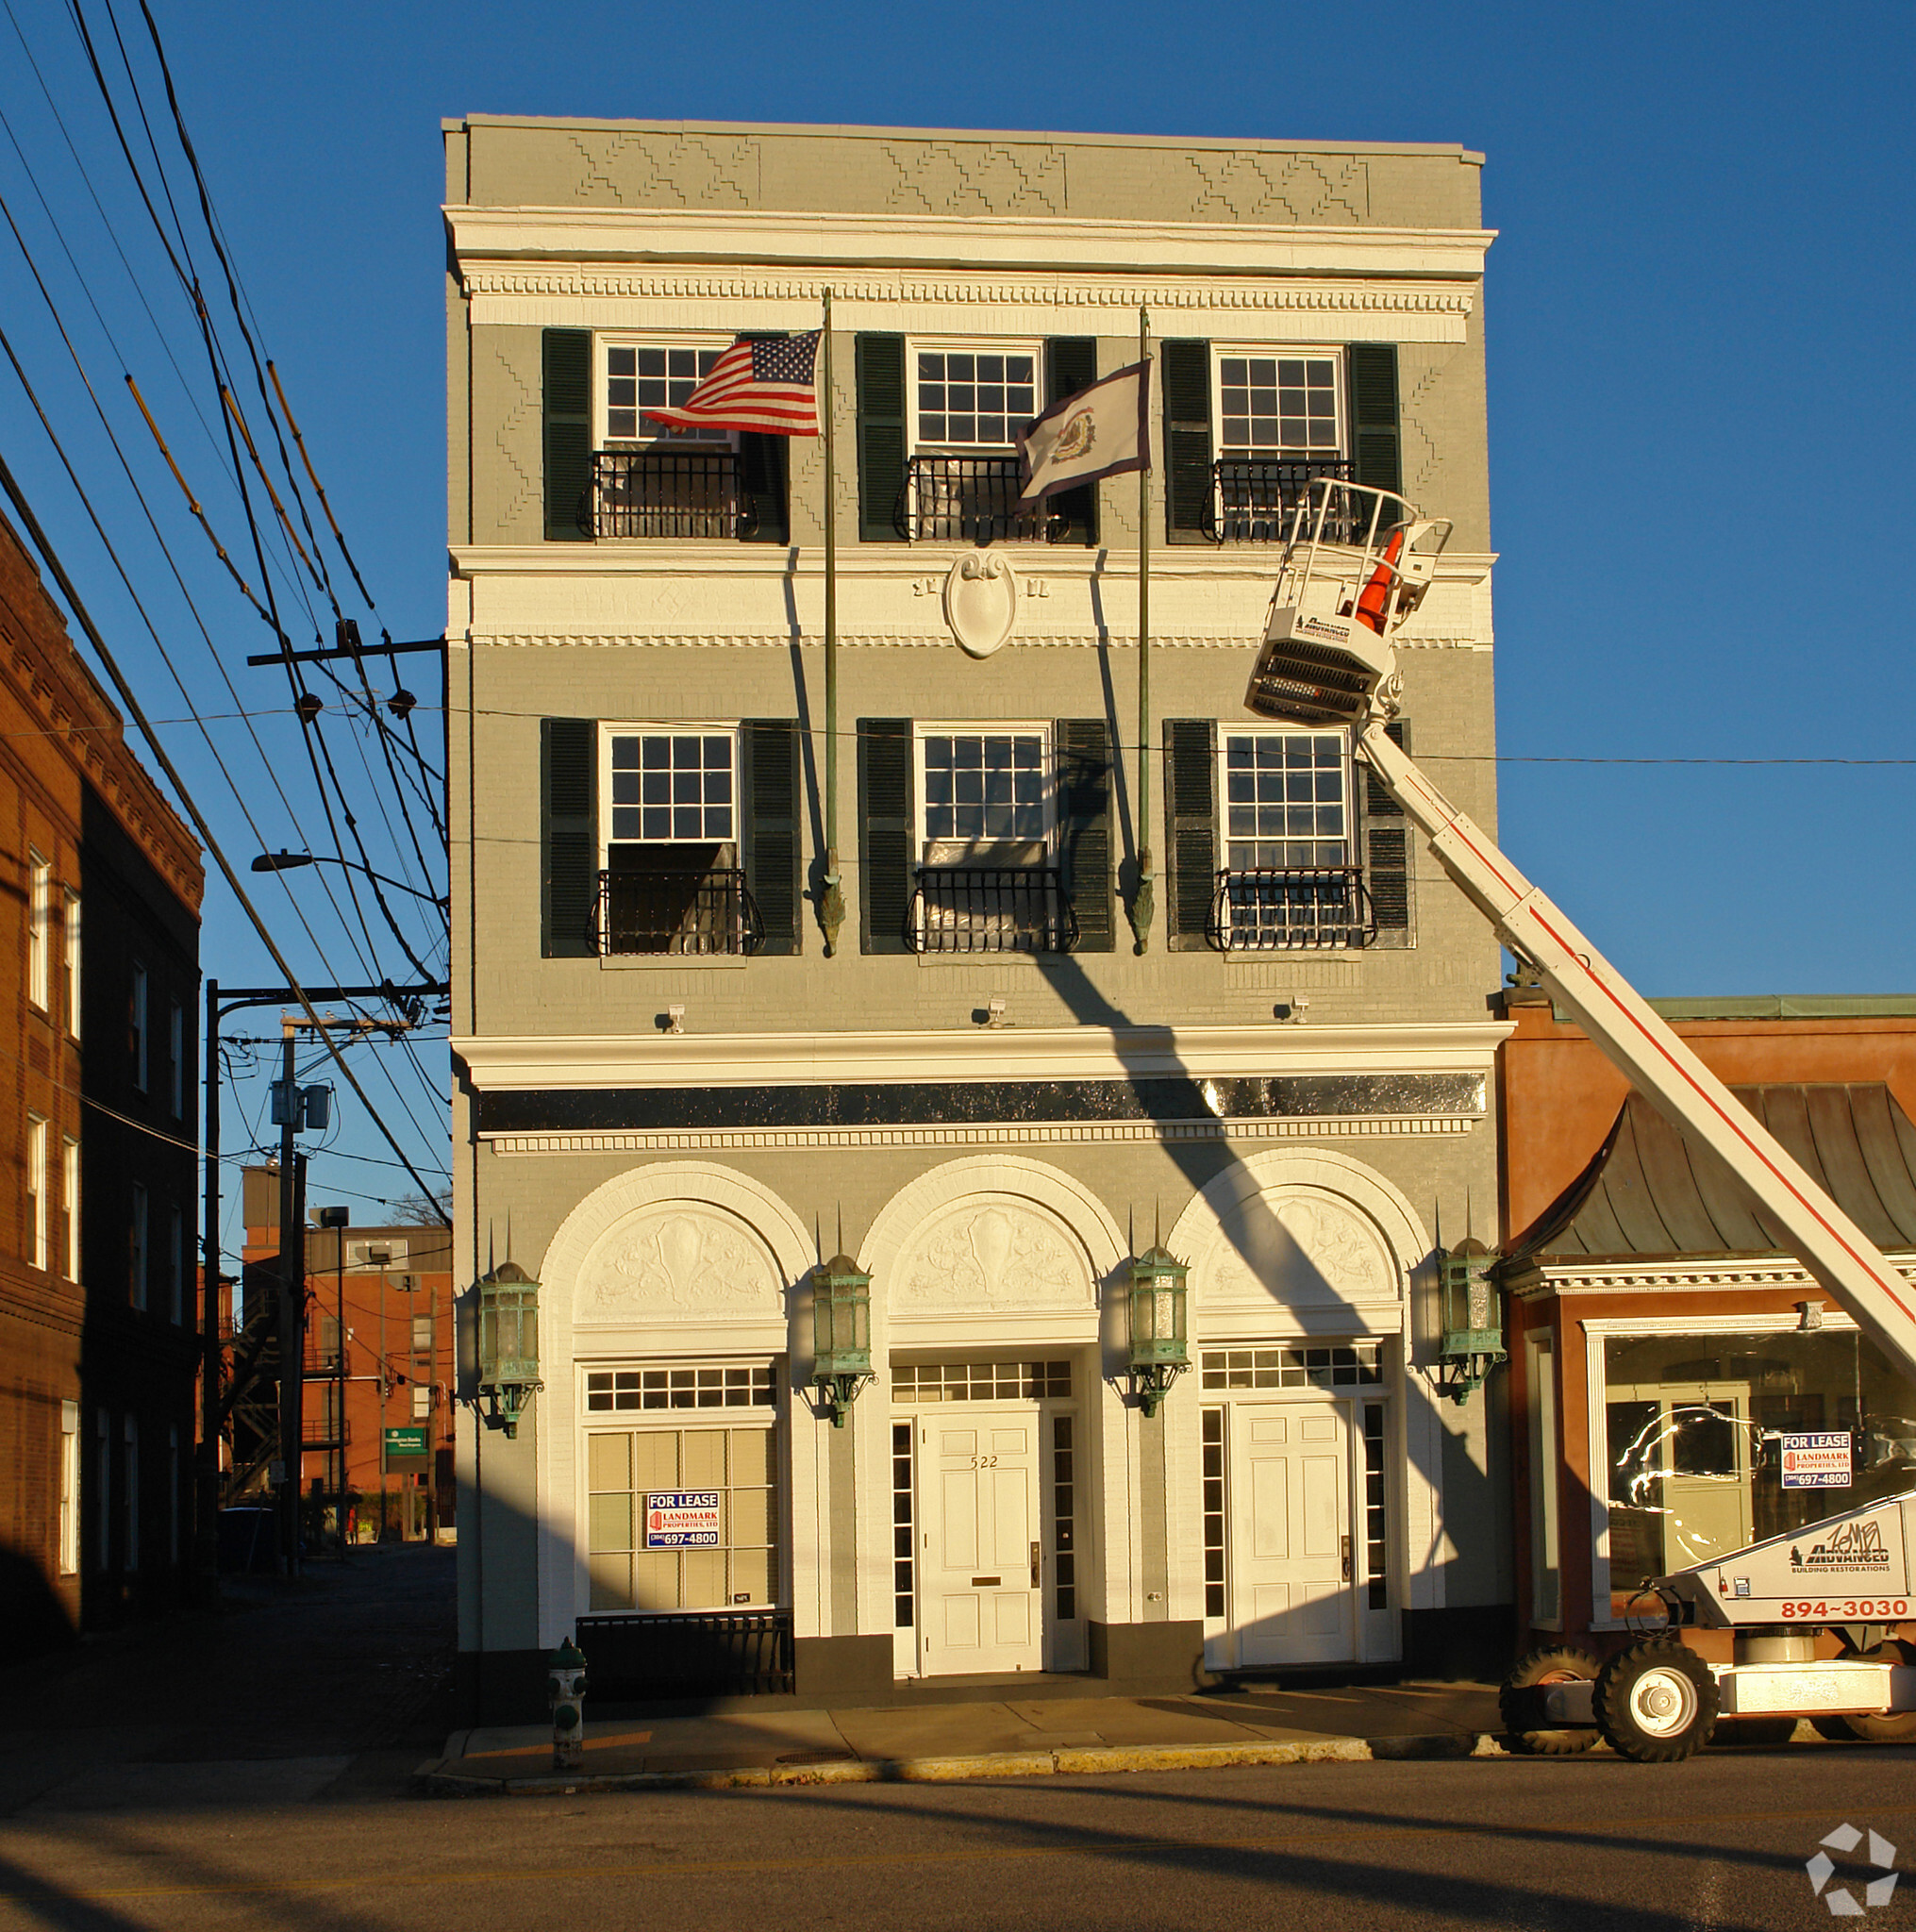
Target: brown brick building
[(99, 1058)]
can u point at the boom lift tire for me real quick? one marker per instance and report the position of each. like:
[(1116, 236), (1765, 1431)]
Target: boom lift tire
[(1656, 1702), (1519, 1701), (1891, 1727)]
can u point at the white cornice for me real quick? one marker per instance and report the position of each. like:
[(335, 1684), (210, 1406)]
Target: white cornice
[(483, 239), (521, 1063), (1549, 1277)]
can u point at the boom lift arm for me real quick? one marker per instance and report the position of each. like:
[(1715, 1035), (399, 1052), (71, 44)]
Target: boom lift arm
[(1357, 562)]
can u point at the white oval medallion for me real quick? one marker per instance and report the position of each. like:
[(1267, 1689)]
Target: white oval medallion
[(981, 602)]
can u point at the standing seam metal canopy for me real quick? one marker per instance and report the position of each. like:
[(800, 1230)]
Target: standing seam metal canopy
[(1650, 1189)]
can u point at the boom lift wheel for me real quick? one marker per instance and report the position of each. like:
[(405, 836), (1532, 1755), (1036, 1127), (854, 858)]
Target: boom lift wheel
[(1519, 1701), (1656, 1702), (1891, 1727)]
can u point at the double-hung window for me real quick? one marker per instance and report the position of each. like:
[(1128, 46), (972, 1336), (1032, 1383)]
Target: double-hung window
[(37, 1185), (969, 401), (136, 1024), (1280, 425), (39, 931), (73, 961), (138, 1254), (987, 876), (69, 1193), (1289, 880), (670, 880)]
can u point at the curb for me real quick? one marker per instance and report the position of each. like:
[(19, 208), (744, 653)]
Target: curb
[(438, 1778)]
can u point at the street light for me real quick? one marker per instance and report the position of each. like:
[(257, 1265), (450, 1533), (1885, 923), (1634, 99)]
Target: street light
[(291, 861)]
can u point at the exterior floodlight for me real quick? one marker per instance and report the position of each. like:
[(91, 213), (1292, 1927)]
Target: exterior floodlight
[(841, 1334), (509, 1342), (1356, 563), (1158, 1351)]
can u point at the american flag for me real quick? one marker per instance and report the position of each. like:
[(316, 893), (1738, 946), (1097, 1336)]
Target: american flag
[(762, 383)]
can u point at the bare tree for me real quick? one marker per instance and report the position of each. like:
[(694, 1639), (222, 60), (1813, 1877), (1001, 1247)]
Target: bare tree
[(417, 1210)]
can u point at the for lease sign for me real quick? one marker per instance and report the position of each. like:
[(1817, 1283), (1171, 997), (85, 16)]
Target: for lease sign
[(682, 1520), (1817, 1460)]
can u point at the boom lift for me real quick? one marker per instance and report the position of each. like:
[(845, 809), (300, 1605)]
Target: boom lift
[(1358, 561)]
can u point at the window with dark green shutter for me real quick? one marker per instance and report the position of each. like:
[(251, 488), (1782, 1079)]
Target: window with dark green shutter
[(568, 837), (1071, 364), (1186, 369), (566, 362), (887, 833), (1191, 825), (1388, 856), (1376, 455), (771, 845), (1084, 830), (881, 437)]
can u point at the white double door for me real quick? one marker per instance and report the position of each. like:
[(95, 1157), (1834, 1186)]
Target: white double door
[(1292, 1543), (980, 1602)]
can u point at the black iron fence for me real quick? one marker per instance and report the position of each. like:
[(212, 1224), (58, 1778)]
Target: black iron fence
[(667, 1654), (693, 913), (669, 494), (973, 500), (996, 909), (1252, 497), (1268, 910)]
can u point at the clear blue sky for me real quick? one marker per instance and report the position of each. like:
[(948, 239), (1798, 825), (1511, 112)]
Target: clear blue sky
[(1697, 317)]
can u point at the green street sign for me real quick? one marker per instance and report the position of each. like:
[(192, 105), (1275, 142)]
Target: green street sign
[(405, 1441)]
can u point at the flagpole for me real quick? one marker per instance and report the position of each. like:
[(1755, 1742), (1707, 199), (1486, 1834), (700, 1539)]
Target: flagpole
[(1140, 907), (831, 912)]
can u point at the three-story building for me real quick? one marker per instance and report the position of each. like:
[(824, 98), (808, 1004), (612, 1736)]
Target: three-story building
[(941, 967)]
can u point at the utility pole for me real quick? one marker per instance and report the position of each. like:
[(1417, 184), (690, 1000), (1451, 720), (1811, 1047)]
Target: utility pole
[(291, 1314), (219, 1005)]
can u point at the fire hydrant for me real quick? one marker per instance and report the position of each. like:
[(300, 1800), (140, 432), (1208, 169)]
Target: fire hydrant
[(565, 1687)]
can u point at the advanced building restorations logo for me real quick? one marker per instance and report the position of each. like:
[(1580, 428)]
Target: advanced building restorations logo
[(1877, 1892)]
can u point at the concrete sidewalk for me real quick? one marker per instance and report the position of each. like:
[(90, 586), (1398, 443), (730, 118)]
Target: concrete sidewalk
[(946, 1742)]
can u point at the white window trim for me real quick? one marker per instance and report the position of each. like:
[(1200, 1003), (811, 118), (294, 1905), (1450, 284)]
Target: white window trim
[(968, 345), (40, 930), (985, 728), (1228, 732), (1333, 352), (73, 961), (651, 339), (69, 1488), (69, 1193), (140, 1015), (675, 727), (38, 1186)]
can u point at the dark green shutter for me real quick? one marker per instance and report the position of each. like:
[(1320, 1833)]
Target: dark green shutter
[(1186, 367), (1190, 827), (1071, 364), (881, 435), (1387, 853), (887, 837), (568, 837), (770, 809), (1377, 454), (761, 488), (567, 387), (1084, 830)]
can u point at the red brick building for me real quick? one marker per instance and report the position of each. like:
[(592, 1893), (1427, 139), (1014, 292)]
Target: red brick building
[(388, 1290), (100, 888)]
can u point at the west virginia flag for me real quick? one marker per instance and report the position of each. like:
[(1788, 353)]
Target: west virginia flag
[(1101, 431)]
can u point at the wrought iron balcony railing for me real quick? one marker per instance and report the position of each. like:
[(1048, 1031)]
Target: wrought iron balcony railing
[(1252, 497), (972, 500), (698, 913), (1267, 910), (994, 909), (655, 493)]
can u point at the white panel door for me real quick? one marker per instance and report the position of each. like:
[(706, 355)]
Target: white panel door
[(979, 1604), (1292, 1600)]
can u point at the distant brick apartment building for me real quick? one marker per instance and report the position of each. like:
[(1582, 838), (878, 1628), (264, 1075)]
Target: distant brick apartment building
[(674, 1103), (387, 1291), (100, 888)]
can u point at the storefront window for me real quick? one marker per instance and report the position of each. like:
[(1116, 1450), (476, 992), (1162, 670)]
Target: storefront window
[(1707, 1449)]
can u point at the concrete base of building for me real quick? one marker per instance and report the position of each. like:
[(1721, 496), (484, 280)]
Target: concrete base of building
[(1463, 1642), (1137, 1659), (841, 1669)]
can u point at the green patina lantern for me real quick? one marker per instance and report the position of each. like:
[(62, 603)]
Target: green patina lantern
[(1470, 1319), (509, 1342), (1160, 1353), (841, 1334)]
